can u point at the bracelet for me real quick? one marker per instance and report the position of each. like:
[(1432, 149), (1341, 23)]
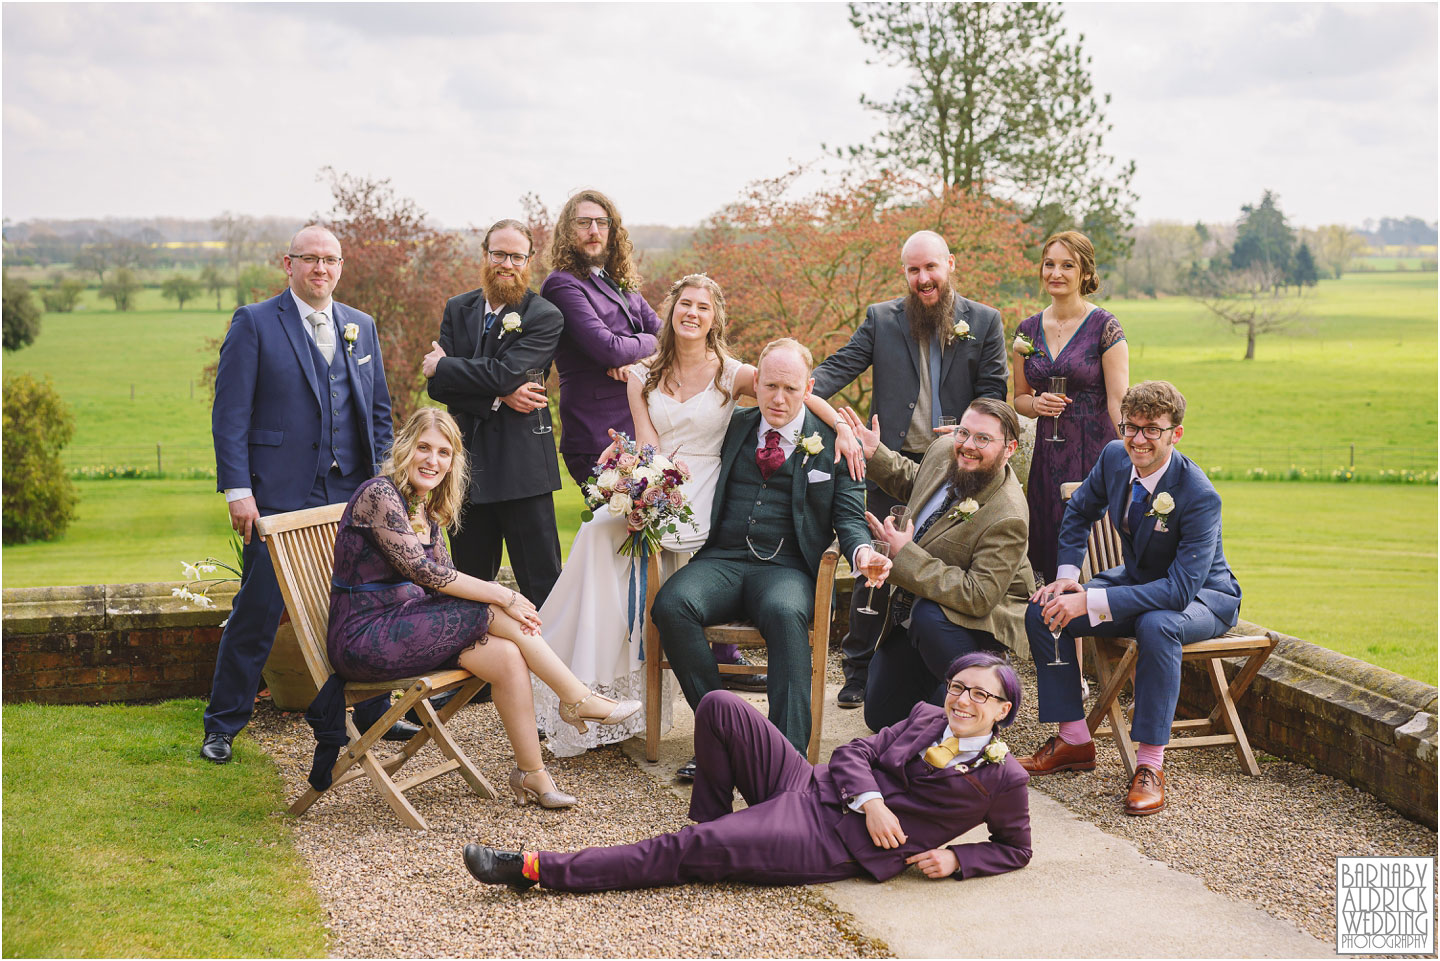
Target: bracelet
[(512, 598)]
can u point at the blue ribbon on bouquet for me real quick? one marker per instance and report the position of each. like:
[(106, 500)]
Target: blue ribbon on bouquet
[(639, 558)]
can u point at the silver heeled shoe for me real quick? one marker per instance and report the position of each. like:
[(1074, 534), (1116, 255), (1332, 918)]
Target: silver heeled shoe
[(570, 713), (553, 800)]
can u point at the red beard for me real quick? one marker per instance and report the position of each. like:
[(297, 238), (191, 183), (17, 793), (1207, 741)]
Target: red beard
[(504, 291)]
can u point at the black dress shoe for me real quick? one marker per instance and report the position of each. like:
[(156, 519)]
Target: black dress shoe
[(401, 731), (217, 748), (744, 682), (494, 866), (437, 702), (686, 771), (851, 695)]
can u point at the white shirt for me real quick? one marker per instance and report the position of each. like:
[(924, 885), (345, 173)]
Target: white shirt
[(233, 494), (496, 311), (1096, 603), (968, 750)]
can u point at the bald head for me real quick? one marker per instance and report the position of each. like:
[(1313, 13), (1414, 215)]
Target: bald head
[(928, 241), (313, 265), (312, 231), (927, 263)]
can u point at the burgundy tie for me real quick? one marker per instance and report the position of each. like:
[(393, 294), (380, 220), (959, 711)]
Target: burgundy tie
[(770, 457)]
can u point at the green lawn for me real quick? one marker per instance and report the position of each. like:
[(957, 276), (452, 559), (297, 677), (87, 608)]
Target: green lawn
[(121, 841)]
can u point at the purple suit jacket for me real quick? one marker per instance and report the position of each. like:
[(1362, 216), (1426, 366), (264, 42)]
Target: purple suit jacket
[(600, 333), (934, 806)]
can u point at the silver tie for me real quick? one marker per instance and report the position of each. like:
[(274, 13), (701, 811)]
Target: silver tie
[(324, 335)]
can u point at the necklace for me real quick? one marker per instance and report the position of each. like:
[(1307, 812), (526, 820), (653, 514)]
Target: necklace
[(418, 523)]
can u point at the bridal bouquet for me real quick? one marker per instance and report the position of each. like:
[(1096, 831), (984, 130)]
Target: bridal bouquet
[(643, 486)]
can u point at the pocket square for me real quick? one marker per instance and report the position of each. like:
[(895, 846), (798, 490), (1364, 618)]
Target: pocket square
[(817, 477), (363, 360)]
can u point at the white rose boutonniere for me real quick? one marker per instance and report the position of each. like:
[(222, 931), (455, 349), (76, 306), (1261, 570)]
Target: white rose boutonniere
[(510, 323), (1025, 347), (1160, 509), (961, 330), (811, 445), (995, 751), (965, 509), (351, 333)]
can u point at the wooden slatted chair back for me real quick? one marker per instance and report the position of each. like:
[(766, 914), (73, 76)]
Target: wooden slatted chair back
[(302, 549)]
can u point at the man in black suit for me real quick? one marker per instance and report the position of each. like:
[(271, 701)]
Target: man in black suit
[(489, 338), (933, 352)]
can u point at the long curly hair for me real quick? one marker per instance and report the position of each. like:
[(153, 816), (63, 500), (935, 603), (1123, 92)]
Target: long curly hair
[(444, 502), (662, 362), (619, 262)]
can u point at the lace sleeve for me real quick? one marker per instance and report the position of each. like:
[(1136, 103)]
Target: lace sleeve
[(441, 552), (727, 375), (1111, 335), (379, 514)]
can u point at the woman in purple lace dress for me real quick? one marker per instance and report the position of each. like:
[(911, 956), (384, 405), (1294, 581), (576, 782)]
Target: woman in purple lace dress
[(1074, 339), (398, 606)]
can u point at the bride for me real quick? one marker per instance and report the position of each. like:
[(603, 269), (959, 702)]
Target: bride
[(681, 399)]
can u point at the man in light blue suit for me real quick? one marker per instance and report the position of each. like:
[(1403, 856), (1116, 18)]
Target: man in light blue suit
[(1174, 588), (301, 417)]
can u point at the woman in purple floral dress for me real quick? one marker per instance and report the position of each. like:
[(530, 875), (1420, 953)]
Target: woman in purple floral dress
[(398, 606), (1074, 339)]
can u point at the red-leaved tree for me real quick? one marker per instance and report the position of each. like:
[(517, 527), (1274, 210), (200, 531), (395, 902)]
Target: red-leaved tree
[(807, 267)]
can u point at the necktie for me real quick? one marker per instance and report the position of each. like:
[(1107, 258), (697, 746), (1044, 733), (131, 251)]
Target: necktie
[(935, 380), (608, 280), (943, 753), (489, 319), (770, 457), (324, 335), (902, 600), (1136, 515)]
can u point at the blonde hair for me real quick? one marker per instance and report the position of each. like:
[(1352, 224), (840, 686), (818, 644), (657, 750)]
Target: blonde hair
[(792, 344), (663, 360), (1082, 250), (444, 502)]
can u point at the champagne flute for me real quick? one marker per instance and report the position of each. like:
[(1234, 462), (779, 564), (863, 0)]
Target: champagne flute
[(537, 376), (1057, 386), (1039, 585), (875, 564)]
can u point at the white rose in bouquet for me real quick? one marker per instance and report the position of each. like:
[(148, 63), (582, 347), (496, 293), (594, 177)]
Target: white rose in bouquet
[(620, 504)]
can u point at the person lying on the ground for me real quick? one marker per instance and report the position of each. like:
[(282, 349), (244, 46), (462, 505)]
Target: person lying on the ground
[(895, 798)]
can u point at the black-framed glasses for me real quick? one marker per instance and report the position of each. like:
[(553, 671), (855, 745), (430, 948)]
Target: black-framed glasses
[(981, 441), (310, 260), (1150, 431), (978, 695), (498, 257), (583, 223)]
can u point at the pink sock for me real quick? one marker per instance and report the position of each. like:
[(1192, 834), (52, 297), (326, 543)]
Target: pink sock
[(1074, 732), (1152, 755)]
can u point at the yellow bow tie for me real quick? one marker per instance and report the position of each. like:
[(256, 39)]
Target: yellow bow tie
[(943, 753)]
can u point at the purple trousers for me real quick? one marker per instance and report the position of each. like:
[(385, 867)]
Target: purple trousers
[(787, 834)]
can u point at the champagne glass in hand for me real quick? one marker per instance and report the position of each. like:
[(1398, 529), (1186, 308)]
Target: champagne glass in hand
[(537, 377), (874, 565), (1057, 386), (897, 516), (1040, 584)]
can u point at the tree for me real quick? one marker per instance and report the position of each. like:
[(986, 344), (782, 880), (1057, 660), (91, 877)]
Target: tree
[(1334, 247), (258, 282), (63, 293), (39, 499), (180, 288), (234, 230), (21, 313), (1250, 300), (1161, 258), (1263, 239), (808, 266), (1001, 101), (92, 259), (122, 287), (214, 281), (1302, 271)]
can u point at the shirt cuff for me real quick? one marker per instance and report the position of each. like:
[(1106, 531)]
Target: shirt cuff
[(1067, 571), (1098, 605), (233, 494), (861, 801), (495, 406)]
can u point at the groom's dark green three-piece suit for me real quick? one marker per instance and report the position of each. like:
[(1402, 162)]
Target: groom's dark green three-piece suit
[(767, 537)]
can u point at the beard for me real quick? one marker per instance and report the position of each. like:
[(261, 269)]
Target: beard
[(504, 291), (926, 322), (968, 483)]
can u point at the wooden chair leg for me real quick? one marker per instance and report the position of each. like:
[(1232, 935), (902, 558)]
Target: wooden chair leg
[(1107, 706), (393, 796), (817, 696), (448, 746), (1230, 717)]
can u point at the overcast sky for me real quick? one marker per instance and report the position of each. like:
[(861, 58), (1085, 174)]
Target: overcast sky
[(187, 110)]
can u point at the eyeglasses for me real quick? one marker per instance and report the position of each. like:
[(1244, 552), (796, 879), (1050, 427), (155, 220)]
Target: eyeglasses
[(583, 223), (500, 256), (1151, 432), (981, 441), (978, 695), (310, 260)]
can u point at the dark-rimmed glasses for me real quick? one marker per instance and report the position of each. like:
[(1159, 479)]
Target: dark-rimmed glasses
[(978, 695), (498, 257), (310, 260), (1150, 431), (583, 223)]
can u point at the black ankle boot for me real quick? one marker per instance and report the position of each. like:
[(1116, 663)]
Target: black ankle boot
[(494, 866)]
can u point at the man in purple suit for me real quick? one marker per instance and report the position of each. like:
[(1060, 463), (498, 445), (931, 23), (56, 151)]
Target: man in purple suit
[(608, 326), (895, 798)]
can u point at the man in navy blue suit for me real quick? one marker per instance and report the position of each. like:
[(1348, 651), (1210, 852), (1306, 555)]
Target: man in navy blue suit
[(301, 417), (1174, 588)]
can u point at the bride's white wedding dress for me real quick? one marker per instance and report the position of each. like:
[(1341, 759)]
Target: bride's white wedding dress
[(586, 618)]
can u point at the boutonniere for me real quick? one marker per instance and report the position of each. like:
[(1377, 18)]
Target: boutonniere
[(964, 510), (993, 753), (351, 333), (510, 323), (1025, 347), (811, 445), (961, 330), (1163, 504)]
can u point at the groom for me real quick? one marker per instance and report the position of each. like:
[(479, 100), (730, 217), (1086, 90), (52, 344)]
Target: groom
[(778, 504)]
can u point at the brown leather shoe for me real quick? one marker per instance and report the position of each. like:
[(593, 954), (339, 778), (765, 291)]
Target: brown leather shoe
[(1055, 755), (1147, 792)]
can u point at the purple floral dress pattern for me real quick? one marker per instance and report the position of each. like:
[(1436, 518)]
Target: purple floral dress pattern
[(1085, 425), (407, 628)]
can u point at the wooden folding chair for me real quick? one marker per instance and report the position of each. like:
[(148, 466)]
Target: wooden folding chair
[(746, 636), (1115, 667), (302, 547)]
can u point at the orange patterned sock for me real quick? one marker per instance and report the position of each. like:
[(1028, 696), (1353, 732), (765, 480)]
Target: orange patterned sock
[(531, 866)]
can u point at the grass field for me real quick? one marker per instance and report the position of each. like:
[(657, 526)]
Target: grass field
[(121, 841)]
